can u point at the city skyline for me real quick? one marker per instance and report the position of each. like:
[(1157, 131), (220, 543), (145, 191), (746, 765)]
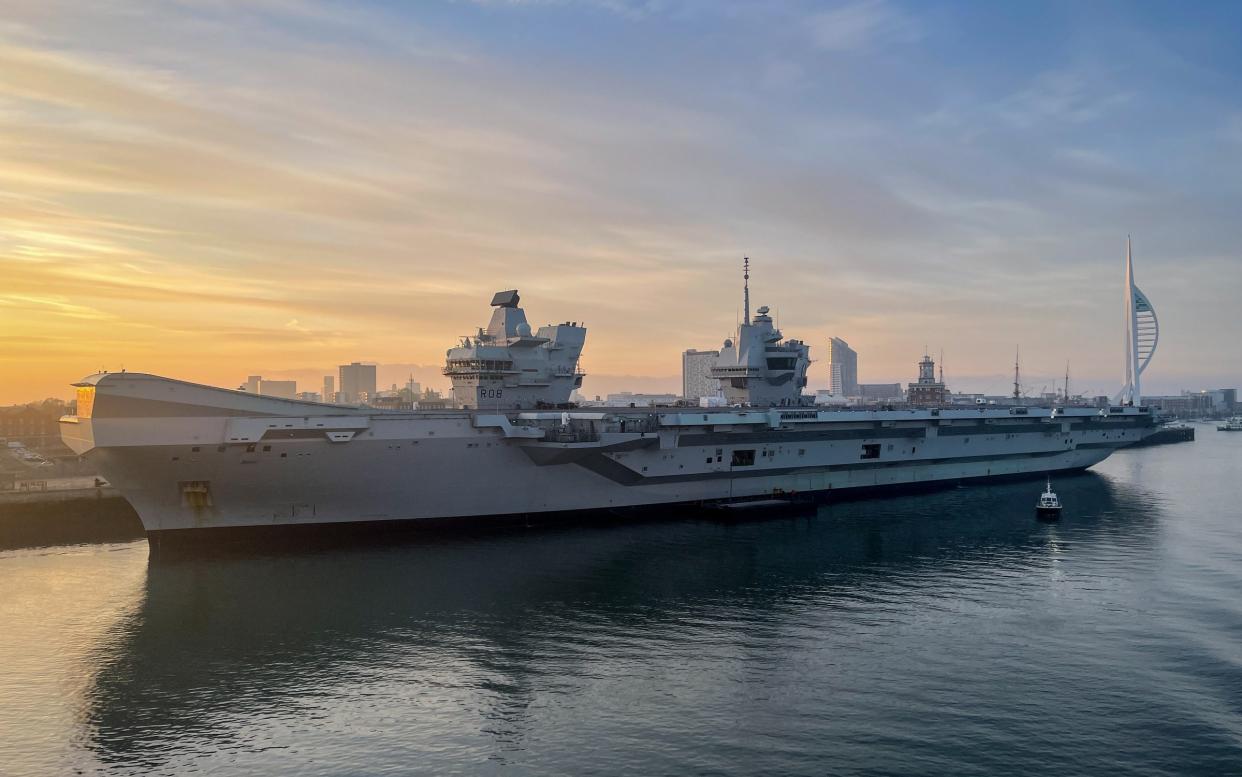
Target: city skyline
[(218, 191)]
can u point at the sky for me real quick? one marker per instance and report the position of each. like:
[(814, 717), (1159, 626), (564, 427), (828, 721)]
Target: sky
[(214, 189)]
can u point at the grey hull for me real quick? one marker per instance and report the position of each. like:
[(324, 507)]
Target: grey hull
[(191, 457)]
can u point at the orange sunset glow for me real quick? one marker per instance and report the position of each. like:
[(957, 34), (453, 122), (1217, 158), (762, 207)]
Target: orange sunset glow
[(210, 191)]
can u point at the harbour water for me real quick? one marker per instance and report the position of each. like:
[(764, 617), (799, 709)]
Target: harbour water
[(946, 633)]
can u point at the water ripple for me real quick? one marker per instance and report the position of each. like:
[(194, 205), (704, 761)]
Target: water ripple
[(944, 634)]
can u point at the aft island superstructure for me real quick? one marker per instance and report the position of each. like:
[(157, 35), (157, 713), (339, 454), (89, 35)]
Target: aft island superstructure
[(193, 459)]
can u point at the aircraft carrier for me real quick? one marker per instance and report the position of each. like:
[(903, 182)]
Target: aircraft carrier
[(195, 460)]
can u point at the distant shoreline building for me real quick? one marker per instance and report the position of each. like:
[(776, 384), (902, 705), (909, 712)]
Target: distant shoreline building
[(696, 374), (36, 425), (1195, 404), (927, 391), (842, 368), (880, 392), (285, 389), (825, 398), (357, 383), (630, 399)]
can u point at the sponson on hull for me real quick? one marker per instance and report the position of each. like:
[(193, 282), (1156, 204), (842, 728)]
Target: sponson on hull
[(195, 460)]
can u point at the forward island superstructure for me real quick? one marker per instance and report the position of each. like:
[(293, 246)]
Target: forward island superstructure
[(505, 366), (195, 459)]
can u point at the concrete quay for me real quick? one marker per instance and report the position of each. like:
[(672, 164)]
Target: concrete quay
[(30, 490), (64, 511)]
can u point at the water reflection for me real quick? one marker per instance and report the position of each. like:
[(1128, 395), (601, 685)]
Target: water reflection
[(452, 631), (84, 521)]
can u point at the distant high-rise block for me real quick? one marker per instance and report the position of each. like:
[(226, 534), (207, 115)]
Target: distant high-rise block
[(696, 374), (842, 368), (357, 382), (1229, 399), (252, 383), (329, 388)]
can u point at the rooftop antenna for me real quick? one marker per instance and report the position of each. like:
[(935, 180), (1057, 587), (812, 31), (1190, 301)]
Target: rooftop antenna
[(1067, 383), (1017, 385), (746, 289)]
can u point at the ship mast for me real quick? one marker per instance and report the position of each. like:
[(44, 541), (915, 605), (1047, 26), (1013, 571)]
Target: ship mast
[(1017, 384), (746, 290)]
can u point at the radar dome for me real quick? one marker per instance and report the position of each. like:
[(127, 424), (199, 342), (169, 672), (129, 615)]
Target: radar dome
[(523, 329)]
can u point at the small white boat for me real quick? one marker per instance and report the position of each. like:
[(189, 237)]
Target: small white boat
[(1049, 506), (1232, 425)]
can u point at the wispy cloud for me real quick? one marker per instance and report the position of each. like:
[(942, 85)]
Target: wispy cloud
[(1062, 97), (860, 25), (55, 305), (306, 182)]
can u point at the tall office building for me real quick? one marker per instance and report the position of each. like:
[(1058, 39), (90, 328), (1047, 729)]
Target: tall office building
[(696, 374), (329, 388), (252, 383), (357, 382), (842, 368)]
